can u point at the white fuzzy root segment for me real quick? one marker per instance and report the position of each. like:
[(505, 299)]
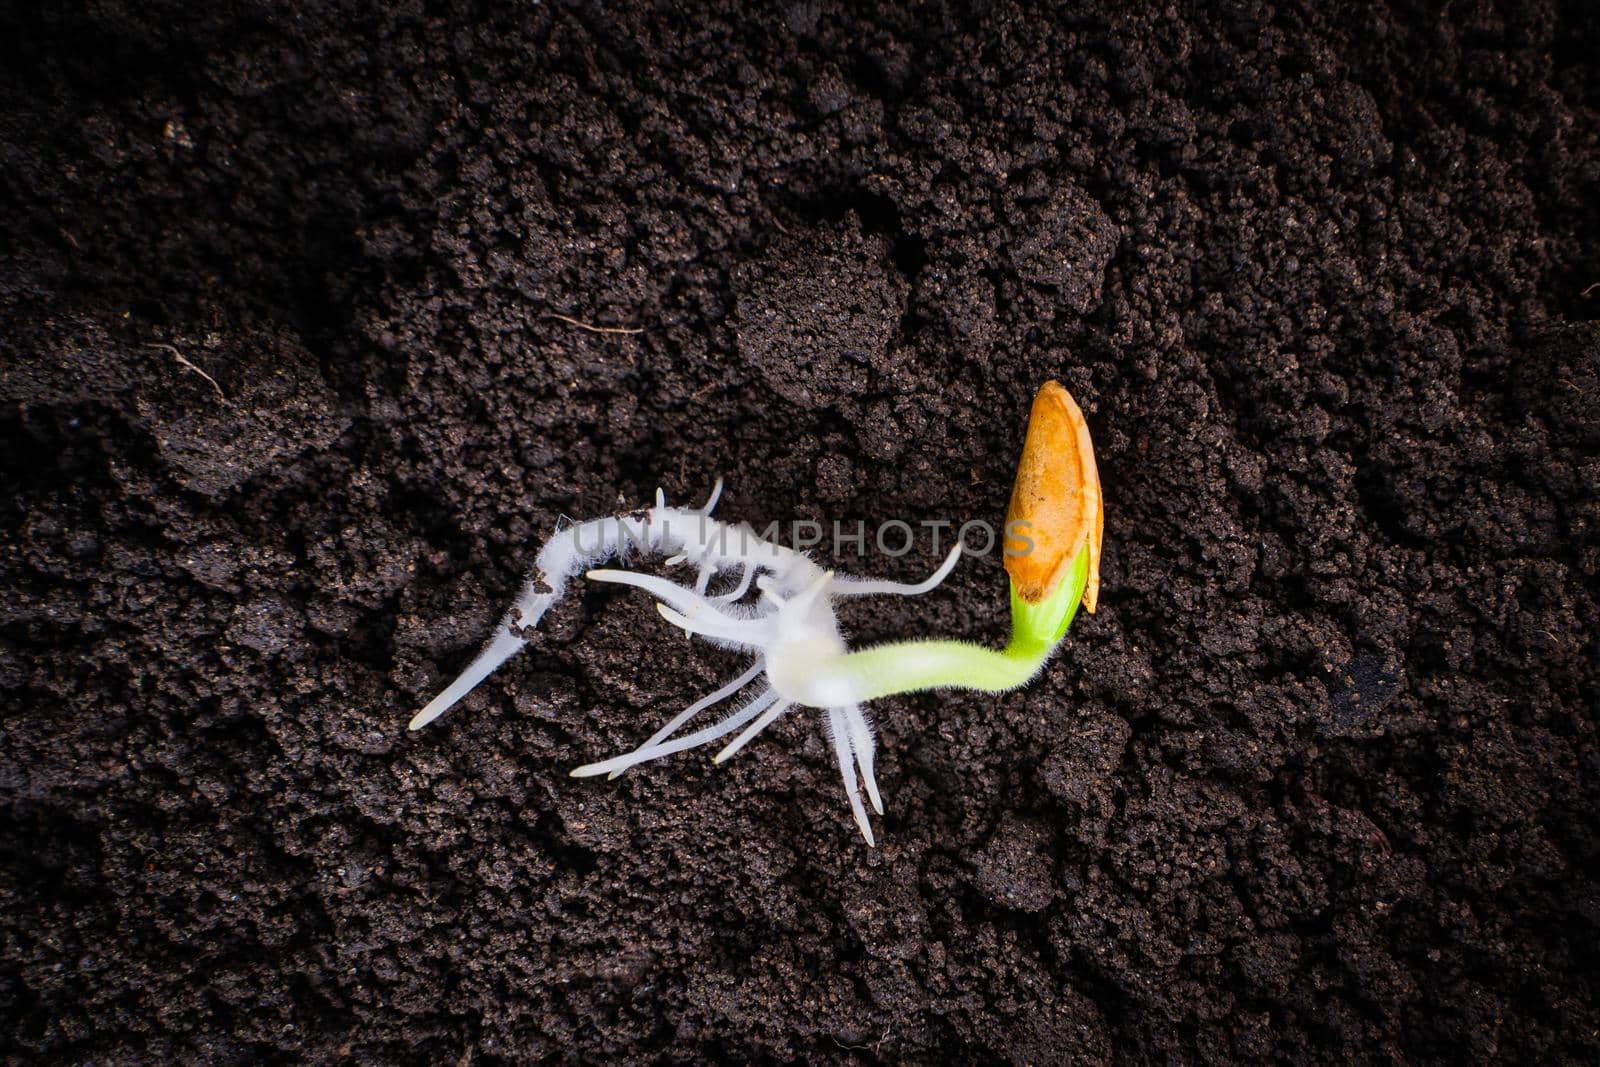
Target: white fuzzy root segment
[(791, 630)]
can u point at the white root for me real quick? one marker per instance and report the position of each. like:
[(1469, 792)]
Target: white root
[(843, 749), (762, 702), (766, 720), (702, 704), (791, 628)]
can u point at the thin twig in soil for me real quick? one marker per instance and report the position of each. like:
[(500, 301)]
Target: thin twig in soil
[(570, 321), (184, 362)]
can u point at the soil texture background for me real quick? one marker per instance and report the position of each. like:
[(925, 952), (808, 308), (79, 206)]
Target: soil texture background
[(286, 408)]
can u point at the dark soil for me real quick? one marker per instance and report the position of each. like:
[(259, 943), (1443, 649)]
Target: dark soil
[(1316, 784)]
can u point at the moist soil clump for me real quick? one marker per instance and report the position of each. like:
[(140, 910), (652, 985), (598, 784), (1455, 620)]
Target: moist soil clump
[(291, 389)]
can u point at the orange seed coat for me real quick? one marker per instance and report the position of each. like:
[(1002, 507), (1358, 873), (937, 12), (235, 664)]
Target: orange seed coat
[(1057, 497)]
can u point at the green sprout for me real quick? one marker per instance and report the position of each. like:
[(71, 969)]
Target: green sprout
[(908, 666), (778, 606), (1053, 529)]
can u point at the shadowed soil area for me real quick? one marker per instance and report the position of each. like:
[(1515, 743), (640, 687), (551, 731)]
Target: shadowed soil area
[(288, 402)]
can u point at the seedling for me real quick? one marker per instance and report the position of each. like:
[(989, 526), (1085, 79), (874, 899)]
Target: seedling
[(799, 656)]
